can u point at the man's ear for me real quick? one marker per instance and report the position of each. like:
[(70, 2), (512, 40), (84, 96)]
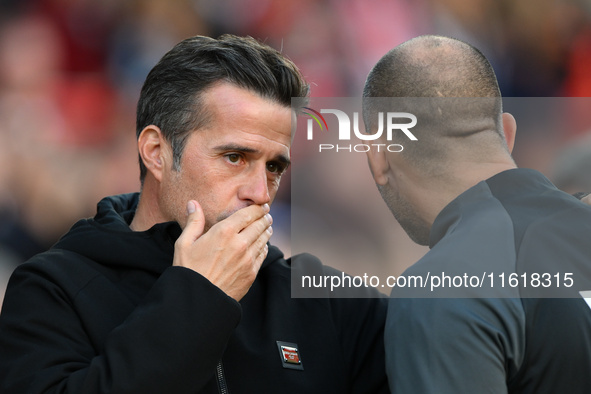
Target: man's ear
[(378, 165), (509, 128), (152, 149)]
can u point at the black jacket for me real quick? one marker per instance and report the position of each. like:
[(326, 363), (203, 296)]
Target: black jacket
[(104, 311)]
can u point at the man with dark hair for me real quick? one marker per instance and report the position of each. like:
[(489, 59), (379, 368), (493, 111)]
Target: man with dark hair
[(457, 190), (176, 289)]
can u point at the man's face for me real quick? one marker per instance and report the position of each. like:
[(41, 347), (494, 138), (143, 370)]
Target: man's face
[(235, 161)]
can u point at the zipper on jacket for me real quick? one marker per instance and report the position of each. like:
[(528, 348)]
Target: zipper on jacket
[(219, 374)]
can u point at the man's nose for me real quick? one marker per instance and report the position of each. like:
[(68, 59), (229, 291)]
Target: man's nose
[(256, 187)]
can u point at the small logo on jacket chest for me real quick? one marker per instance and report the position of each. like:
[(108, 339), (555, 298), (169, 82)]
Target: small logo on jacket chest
[(290, 355)]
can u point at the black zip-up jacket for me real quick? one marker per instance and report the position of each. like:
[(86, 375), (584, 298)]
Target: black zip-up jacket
[(104, 311)]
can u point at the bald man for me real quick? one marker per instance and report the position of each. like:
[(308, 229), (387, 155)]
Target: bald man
[(458, 190)]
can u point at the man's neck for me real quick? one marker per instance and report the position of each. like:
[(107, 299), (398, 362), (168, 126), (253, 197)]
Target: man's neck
[(147, 213)]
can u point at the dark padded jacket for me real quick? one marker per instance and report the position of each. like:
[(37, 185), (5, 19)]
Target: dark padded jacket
[(104, 311)]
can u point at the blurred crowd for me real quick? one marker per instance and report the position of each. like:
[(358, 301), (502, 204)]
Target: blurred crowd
[(71, 71)]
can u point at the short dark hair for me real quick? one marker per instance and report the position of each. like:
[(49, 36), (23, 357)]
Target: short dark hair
[(171, 97)]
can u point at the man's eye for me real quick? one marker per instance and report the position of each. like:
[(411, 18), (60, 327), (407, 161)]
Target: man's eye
[(274, 168), (233, 157)]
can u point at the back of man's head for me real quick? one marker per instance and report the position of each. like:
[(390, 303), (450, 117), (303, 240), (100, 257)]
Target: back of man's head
[(432, 66), (452, 90), (171, 97)]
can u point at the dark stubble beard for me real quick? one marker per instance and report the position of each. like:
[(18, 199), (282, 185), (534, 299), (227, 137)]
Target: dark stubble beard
[(416, 228)]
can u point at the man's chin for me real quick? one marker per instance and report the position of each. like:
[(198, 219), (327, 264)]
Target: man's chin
[(419, 239), (417, 233)]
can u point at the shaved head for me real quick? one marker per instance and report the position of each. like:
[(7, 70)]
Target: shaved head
[(432, 66), (452, 89)]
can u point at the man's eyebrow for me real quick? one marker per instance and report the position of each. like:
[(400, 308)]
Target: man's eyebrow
[(235, 148), (245, 149)]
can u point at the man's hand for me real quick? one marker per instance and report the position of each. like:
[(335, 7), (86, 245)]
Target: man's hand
[(230, 254)]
